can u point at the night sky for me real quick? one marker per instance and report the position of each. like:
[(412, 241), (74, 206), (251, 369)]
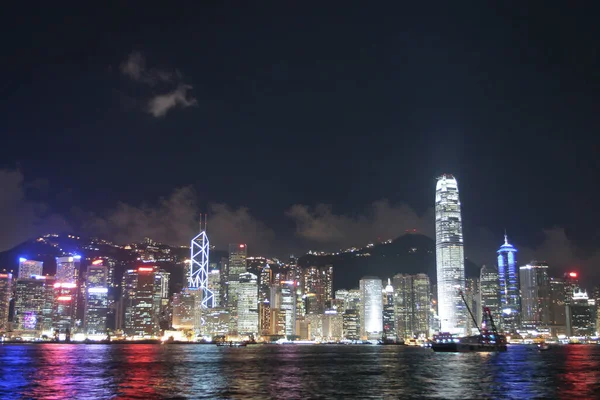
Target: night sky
[(302, 125)]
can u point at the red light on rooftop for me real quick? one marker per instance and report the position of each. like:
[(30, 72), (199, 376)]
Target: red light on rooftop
[(145, 269), (573, 274), (242, 246), (97, 262)]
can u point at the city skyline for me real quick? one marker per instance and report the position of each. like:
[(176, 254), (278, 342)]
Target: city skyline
[(319, 154)]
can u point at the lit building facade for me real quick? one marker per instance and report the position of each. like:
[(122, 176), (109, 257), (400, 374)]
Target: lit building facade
[(508, 279), (351, 324), (236, 266), (582, 315), (371, 321), (558, 316), (30, 300), (5, 295), (412, 304), (96, 300), (29, 268), (67, 269), (247, 307), (389, 320), (535, 295), (141, 315), (318, 288), (183, 310), (449, 256), (489, 293), (64, 311)]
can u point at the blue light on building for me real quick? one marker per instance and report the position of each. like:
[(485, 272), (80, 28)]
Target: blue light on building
[(508, 277)]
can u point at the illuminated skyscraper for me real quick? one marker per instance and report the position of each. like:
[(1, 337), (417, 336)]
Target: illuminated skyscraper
[(318, 288), (247, 308), (198, 278), (535, 295), (237, 259), (28, 268), (371, 321), (558, 318), (214, 285), (449, 256), (389, 323), (183, 310), (508, 278), (5, 295), (65, 308), (30, 299), (96, 300), (67, 269), (489, 293), (412, 305), (264, 296), (139, 288), (236, 266)]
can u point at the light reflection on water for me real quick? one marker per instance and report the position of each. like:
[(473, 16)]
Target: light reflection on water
[(57, 371)]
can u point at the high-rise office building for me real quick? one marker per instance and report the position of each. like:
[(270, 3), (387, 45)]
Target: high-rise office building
[(64, 311), (237, 259), (264, 300), (571, 280), (413, 305), (214, 285), (247, 307), (318, 288), (236, 266), (139, 293), (535, 295), (67, 269), (508, 279), (371, 321), (558, 317), (183, 310), (449, 256), (582, 315), (389, 321), (29, 268), (472, 289), (30, 299), (351, 324), (489, 293), (5, 295), (96, 299)]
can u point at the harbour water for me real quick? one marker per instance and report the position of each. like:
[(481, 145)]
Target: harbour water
[(63, 371)]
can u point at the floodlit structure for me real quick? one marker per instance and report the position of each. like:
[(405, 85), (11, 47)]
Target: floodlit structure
[(198, 277), (67, 269), (96, 300), (371, 315), (5, 294), (535, 295), (29, 268), (449, 256), (510, 298)]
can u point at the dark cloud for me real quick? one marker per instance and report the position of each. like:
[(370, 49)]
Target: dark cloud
[(381, 221), (175, 220), (23, 218), (168, 89)]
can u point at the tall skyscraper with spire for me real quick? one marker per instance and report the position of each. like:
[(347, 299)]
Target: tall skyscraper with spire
[(508, 276), (449, 256)]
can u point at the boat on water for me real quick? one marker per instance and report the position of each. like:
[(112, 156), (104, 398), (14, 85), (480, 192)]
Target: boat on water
[(543, 346), (488, 340), (232, 344)]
